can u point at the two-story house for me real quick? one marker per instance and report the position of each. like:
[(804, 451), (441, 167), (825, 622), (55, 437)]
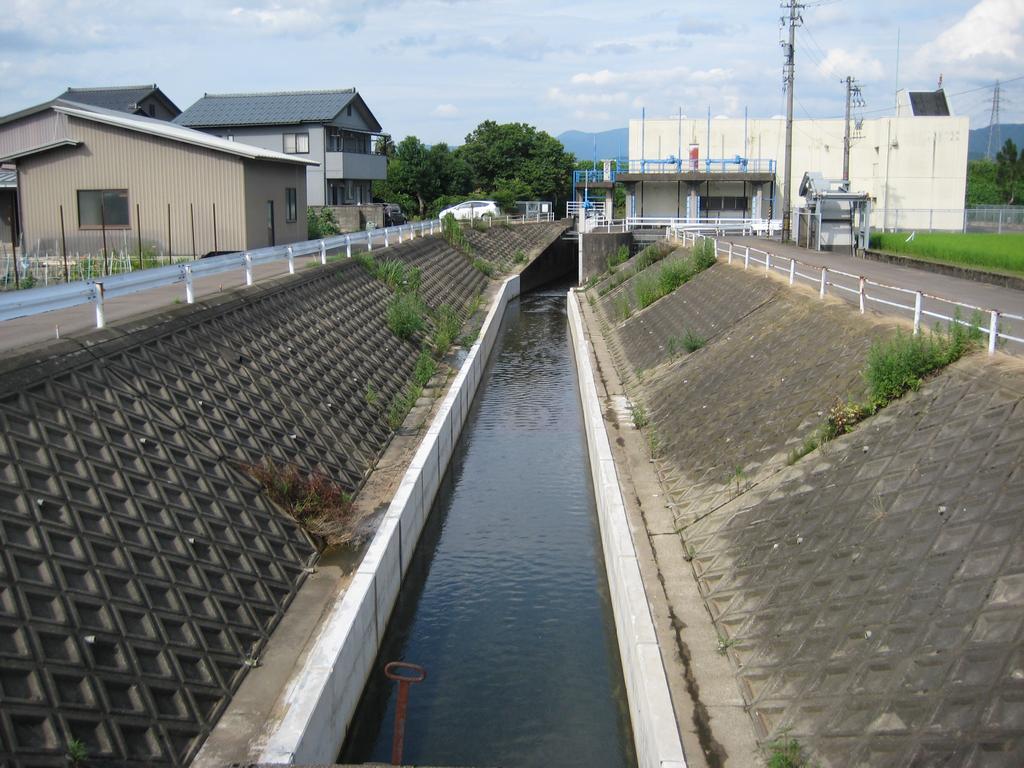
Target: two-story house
[(145, 100), (335, 128)]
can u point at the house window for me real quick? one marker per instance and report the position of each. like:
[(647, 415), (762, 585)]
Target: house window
[(296, 143), (152, 110), (350, 110), (103, 207), (291, 205)]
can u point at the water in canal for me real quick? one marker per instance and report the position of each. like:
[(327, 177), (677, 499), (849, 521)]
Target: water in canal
[(505, 602)]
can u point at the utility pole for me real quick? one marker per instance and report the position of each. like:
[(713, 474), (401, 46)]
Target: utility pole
[(788, 72), (853, 98), (993, 123)]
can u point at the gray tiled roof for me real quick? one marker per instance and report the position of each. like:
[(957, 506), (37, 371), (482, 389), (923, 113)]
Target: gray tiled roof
[(121, 99), (286, 108)]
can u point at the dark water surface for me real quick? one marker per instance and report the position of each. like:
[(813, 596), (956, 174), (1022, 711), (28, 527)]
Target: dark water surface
[(505, 602)]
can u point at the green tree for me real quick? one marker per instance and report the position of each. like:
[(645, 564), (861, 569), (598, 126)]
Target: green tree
[(418, 175), (982, 188), (1009, 172), (518, 157), (385, 145)]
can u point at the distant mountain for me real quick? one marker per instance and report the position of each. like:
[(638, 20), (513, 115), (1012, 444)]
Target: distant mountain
[(613, 144), (977, 144)]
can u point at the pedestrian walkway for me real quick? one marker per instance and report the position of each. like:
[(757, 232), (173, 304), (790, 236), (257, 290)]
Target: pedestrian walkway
[(938, 290)]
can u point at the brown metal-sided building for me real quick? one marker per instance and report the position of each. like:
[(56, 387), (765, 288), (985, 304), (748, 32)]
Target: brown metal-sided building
[(91, 178)]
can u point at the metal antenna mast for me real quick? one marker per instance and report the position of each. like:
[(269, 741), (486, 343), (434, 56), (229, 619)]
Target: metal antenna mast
[(853, 98), (993, 123), (788, 71)]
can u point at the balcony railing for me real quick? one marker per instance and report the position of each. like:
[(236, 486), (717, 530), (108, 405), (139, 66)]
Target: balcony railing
[(735, 164)]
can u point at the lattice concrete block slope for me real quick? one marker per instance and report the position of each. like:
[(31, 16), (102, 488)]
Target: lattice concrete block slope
[(140, 567), (873, 595)]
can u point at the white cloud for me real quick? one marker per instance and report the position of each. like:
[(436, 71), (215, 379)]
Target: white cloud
[(558, 96), (858, 63), (992, 28), (445, 110)]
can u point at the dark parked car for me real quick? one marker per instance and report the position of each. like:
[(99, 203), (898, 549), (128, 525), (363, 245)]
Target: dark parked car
[(393, 215)]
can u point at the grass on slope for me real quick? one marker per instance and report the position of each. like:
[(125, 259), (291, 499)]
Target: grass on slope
[(1003, 253)]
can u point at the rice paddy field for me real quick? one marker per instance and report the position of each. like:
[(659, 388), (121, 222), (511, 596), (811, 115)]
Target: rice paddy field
[(996, 253)]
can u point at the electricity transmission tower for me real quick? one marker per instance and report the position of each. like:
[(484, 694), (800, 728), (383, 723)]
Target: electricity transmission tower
[(788, 71), (853, 98), (993, 123)]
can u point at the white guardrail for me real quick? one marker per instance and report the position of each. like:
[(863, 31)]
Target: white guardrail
[(858, 289), (35, 301)]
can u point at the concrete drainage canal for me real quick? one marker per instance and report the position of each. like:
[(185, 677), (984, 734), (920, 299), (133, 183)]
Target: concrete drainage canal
[(505, 603)]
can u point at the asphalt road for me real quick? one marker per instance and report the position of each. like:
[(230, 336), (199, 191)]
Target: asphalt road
[(939, 290)]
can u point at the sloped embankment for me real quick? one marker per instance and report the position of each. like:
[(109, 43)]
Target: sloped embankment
[(141, 567), (869, 597), (508, 246)]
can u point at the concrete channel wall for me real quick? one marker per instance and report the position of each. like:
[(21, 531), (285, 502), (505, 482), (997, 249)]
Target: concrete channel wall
[(655, 733), (321, 699)]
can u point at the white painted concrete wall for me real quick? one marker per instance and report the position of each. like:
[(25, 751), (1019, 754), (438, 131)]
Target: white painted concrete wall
[(320, 700), (655, 734), (907, 163)]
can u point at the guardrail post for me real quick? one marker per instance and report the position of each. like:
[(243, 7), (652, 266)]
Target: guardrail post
[(248, 268), (348, 246), (101, 320), (860, 293), (323, 252), (824, 282), (730, 251), (431, 226), (386, 243), (792, 271), (369, 240), (993, 331), (917, 312), (767, 263), (190, 292), (400, 239), (291, 261), (746, 256)]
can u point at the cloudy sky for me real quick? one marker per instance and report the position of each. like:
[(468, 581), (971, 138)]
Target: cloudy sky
[(436, 68)]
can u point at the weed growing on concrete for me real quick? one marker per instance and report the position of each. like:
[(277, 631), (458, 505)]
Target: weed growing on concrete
[(899, 364), (77, 752), (319, 504), (653, 443), (446, 329), (725, 643), (406, 315), (519, 257), (484, 266), (402, 404), (651, 255), (615, 281), (692, 341), (452, 232), (372, 396), (810, 442), (391, 273), (413, 279), (367, 262), (785, 752), (622, 308), (425, 368), (591, 300), (703, 255), (737, 478), (474, 304), (479, 225), (621, 256), (640, 417), (648, 290)]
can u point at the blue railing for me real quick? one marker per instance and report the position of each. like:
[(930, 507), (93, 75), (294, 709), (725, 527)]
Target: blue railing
[(735, 164), (597, 175)]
